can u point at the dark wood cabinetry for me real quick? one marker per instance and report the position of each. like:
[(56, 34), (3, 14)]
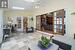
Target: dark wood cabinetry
[(59, 22), (38, 22), (53, 22), (44, 23), (25, 23)]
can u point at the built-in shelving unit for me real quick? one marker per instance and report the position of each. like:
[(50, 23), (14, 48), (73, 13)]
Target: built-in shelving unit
[(53, 21), (59, 26), (25, 24), (38, 22)]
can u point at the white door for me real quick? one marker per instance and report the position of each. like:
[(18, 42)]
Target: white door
[(1, 24)]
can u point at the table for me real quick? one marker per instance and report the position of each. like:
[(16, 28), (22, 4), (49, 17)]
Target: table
[(6, 33), (34, 46)]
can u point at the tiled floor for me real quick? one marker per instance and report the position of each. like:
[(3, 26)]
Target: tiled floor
[(20, 41)]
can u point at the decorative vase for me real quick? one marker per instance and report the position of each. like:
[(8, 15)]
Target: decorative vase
[(42, 47)]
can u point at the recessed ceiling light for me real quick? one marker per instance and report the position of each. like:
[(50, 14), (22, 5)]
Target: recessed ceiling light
[(31, 0), (36, 6), (20, 8)]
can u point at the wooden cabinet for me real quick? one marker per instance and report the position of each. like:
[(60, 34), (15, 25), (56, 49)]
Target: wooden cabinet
[(53, 21), (38, 22), (44, 22), (59, 21), (25, 23)]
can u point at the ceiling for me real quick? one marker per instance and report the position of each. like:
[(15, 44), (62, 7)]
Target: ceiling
[(27, 5)]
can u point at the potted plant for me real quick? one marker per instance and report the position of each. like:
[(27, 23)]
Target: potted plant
[(44, 42)]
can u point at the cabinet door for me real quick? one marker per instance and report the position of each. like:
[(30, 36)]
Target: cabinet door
[(38, 22), (59, 21), (25, 23)]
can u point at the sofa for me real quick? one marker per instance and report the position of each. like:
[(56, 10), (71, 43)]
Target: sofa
[(64, 42)]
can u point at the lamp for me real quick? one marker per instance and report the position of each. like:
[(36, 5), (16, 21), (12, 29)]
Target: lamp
[(20, 8)]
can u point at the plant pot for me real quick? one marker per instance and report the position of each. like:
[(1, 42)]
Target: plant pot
[(43, 47)]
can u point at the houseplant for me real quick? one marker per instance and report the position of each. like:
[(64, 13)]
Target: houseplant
[(44, 42)]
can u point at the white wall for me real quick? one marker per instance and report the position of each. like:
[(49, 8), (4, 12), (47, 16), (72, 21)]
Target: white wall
[(54, 5), (1, 23), (30, 22), (17, 13)]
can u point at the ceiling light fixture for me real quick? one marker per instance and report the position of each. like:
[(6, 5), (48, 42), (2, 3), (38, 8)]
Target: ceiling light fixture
[(31, 0), (18, 8), (36, 6)]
